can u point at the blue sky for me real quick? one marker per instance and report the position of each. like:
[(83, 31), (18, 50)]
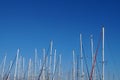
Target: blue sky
[(30, 24)]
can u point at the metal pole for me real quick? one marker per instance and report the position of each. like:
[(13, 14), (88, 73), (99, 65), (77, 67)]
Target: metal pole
[(59, 74), (92, 51), (81, 55), (35, 64), (103, 53), (3, 66), (50, 67), (73, 65), (16, 66), (54, 64), (44, 64)]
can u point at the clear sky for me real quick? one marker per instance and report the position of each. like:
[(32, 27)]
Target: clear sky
[(30, 24)]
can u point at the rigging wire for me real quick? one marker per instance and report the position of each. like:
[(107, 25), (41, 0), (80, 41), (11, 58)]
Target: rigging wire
[(95, 57)]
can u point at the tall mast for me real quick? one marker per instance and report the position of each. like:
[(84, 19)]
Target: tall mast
[(54, 63), (35, 64), (50, 66), (9, 70), (91, 40), (44, 64), (3, 66), (16, 66), (103, 53), (40, 64), (19, 68), (47, 67), (23, 67), (81, 57), (78, 68), (73, 78), (59, 74), (40, 67), (30, 69)]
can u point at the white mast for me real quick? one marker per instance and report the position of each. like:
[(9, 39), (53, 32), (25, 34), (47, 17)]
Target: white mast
[(9, 70), (103, 53), (81, 55), (54, 63), (47, 68), (44, 64), (40, 65), (35, 63), (92, 51), (50, 66), (16, 66), (19, 67), (59, 74), (91, 39), (73, 66), (3, 66), (30, 70), (23, 65)]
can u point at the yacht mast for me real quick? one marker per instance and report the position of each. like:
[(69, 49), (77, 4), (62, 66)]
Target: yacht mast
[(73, 78), (103, 53), (3, 66), (16, 66), (43, 76), (92, 51), (35, 64), (81, 57), (59, 74), (54, 64), (50, 66)]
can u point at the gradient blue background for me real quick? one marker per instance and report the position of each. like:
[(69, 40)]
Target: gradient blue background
[(30, 24)]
